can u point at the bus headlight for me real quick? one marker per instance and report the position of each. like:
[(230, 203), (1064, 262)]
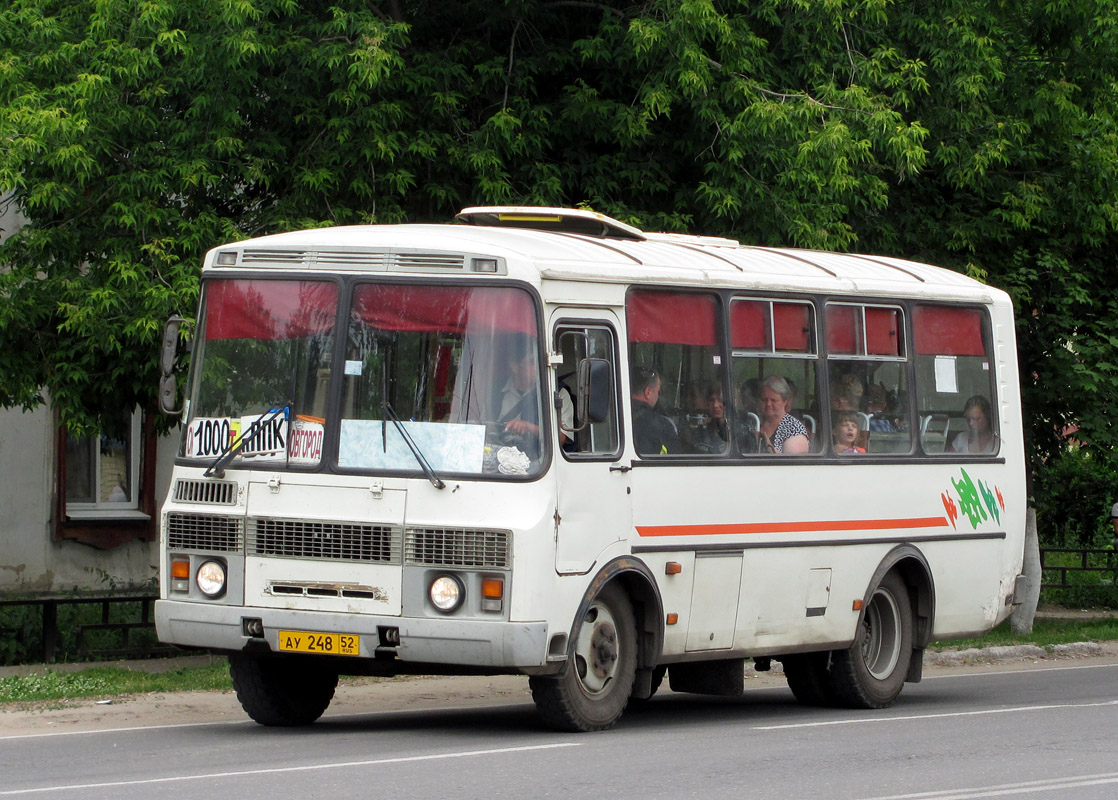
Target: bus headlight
[(210, 578), (447, 593)]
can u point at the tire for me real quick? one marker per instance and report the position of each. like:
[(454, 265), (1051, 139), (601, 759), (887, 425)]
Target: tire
[(592, 691), (286, 691), (871, 673), (809, 679)]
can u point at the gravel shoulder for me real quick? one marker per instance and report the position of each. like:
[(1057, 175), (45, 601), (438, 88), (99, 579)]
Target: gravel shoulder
[(359, 696)]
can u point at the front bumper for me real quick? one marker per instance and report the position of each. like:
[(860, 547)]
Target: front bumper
[(470, 643)]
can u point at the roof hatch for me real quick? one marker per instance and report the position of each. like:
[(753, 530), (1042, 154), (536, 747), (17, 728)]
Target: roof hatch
[(559, 220)]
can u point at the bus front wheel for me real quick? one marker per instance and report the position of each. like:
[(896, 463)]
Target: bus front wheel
[(592, 691), (282, 691), (871, 673)]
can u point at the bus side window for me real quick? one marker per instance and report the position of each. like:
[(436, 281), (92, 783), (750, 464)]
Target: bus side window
[(868, 375), (576, 434), (773, 348), (674, 336), (954, 380)]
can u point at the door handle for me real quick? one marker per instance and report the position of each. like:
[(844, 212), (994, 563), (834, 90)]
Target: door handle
[(619, 468)]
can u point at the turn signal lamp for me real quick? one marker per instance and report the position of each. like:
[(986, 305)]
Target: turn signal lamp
[(180, 575), (492, 594)]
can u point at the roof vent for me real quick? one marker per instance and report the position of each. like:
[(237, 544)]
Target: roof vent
[(558, 220)]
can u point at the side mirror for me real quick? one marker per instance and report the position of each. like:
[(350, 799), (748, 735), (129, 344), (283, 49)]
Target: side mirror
[(167, 384), (168, 390), (595, 390)]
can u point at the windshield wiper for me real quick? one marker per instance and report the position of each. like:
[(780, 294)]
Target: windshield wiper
[(387, 412), (230, 451)]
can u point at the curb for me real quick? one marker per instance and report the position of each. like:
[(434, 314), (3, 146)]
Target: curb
[(944, 658), (976, 655)]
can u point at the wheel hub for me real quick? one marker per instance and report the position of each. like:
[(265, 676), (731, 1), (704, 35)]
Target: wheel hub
[(603, 650)]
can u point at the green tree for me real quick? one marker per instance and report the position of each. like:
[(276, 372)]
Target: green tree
[(136, 134)]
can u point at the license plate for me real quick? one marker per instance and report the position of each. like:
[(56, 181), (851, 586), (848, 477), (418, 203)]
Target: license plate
[(323, 644)]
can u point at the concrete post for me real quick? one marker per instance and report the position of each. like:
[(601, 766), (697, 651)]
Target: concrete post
[(1021, 620)]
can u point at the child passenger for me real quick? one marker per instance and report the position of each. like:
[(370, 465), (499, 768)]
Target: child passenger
[(844, 429)]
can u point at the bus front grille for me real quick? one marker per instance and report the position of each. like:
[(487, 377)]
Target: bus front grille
[(208, 532), (330, 541), (457, 547), (221, 493)]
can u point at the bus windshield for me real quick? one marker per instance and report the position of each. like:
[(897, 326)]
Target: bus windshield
[(453, 369), (264, 354), (458, 365)]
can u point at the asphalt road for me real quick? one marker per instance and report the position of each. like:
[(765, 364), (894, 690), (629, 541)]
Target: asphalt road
[(1003, 730)]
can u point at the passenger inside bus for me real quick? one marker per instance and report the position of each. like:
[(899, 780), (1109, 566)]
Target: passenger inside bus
[(714, 436), (846, 392), (653, 433), (780, 431), (877, 406), (978, 438), (695, 415), (845, 432)]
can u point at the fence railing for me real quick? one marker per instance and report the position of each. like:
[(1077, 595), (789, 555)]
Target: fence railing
[(50, 603), (1054, 562)]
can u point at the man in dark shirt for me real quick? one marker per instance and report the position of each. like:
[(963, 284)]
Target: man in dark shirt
[(653, 433)]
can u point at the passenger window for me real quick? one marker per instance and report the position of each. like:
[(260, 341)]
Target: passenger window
[(954, 380), (577, 436), (676, 374), (868, 378), (775, 358)]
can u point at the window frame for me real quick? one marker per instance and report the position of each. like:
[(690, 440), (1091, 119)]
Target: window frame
[(818, 301), (986, 325), (112, 526), (575, 323)]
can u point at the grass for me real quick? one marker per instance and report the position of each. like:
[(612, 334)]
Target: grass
[(1045, 632), (112, 681)]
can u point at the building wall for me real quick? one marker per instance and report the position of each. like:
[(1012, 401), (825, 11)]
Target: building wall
[(32, 561)]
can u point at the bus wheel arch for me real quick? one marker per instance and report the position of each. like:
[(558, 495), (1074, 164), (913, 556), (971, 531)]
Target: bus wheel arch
[(613, 647), (894, 626), (908, 562)]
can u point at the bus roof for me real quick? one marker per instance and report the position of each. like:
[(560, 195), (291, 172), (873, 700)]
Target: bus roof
[(574, 244)]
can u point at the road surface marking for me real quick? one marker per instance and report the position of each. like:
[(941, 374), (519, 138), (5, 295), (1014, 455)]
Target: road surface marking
[(280, 770)]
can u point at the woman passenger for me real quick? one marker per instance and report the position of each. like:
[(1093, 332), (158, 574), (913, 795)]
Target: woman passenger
[(978, 438), (780, 431)]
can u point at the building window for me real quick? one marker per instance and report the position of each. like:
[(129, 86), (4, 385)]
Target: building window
[(102, 470), (105, 490)]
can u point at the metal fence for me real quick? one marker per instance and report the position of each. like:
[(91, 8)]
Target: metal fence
[(124, 647), (1059, 562)]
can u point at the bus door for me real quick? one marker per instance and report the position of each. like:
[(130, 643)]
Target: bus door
[(593, 501)]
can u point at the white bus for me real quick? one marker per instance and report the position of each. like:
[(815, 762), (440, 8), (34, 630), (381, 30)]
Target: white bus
[(544, 442)]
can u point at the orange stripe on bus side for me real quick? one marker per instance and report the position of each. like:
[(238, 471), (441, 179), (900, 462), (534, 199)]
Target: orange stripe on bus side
[(792, 527)]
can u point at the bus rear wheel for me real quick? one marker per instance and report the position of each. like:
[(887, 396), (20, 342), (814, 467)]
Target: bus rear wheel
[(809, 678), (285, 691), (593, 690), (871, 673)]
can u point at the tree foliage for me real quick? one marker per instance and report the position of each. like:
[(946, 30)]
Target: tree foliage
[(135, 134)]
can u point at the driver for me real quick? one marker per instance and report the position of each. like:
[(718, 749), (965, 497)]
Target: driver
[(520, 405)]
